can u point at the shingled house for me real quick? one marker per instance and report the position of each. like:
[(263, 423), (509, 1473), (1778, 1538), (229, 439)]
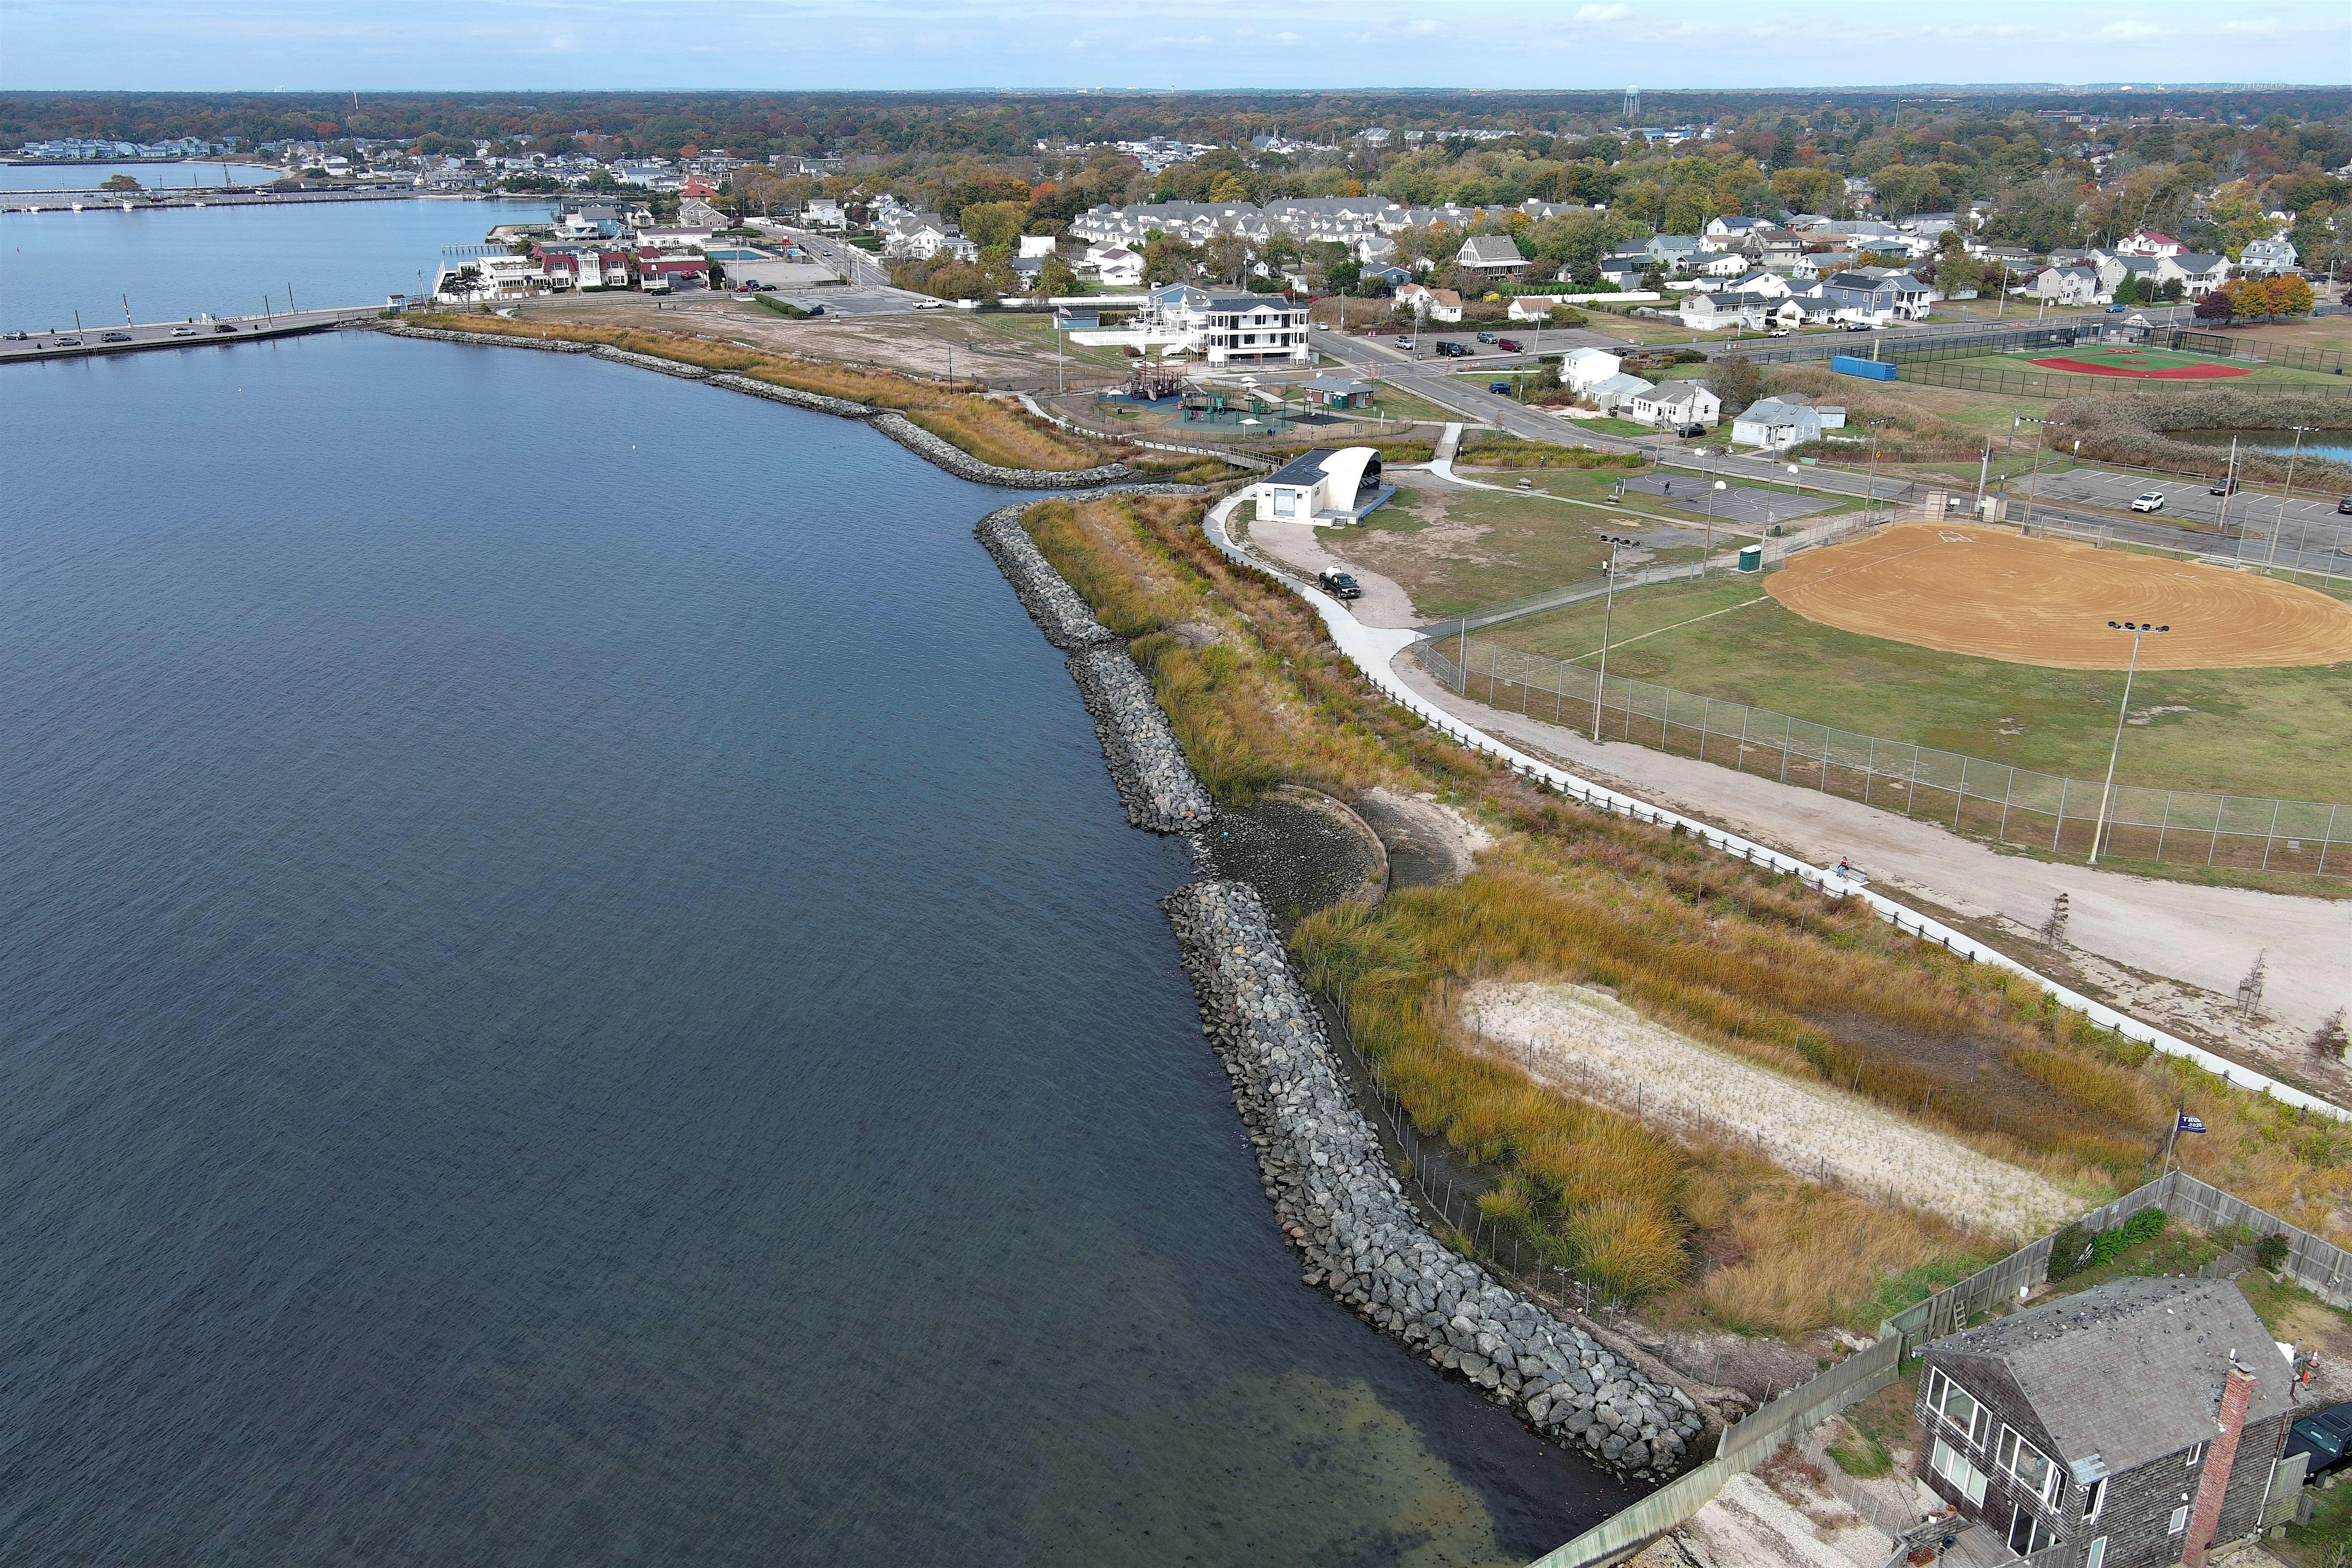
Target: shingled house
[(2139, 1423)]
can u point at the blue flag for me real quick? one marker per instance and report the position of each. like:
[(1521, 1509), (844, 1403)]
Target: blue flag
[(2189, 1124)]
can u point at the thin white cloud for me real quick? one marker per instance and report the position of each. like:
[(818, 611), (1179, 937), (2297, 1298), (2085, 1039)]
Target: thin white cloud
[(1603, 12)]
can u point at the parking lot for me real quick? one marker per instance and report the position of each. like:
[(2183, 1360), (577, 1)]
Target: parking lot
[(1750, 507), (2185, 501)]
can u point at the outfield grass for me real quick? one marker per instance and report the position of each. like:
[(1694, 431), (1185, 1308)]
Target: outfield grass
[(2243, 731), (2256, 375)]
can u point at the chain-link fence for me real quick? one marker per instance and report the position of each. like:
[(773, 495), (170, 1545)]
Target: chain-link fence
[(1969, 795), (1971, 375)]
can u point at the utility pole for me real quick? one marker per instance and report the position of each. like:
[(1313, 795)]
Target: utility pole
[(2278, 522), (1984, 466), (2138, 629), (2229, 487)]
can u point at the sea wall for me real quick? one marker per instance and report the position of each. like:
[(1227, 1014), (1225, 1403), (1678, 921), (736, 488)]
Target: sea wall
[(1320, 1162), (1154, 781), (1344, 1209), (932, 449)]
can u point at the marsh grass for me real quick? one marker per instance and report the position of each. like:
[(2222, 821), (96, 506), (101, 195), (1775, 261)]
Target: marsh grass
[(1749, 962)]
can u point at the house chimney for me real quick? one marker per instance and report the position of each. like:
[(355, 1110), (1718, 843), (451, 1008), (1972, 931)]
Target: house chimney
[(2237, 1396)]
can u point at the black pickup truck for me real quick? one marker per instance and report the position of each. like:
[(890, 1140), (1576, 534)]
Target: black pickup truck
[(1339, 584)]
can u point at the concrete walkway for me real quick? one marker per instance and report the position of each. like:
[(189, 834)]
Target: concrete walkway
[(2316, 931), (2206, 937)]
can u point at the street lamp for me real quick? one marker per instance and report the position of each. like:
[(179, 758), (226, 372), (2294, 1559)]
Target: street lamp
[(1707, 555), (1607, 614), (2278, 522), (2138, 629)]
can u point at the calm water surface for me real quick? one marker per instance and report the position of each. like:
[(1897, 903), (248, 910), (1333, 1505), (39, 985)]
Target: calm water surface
[(154, 176), (2328, 444), (178, 262), (580, 993)]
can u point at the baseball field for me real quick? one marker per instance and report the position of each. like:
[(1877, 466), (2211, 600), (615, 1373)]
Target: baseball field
[(2147, 364), (1989, 593), (1934, 658)]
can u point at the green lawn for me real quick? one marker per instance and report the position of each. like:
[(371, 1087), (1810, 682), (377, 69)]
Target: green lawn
[(1454, 552), (2245, 732)]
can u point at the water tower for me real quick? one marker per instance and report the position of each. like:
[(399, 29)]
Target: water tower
[(1632, 107)]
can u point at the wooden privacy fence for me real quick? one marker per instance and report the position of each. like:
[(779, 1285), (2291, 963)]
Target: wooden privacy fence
[(2319, 1267), (1969, 795)]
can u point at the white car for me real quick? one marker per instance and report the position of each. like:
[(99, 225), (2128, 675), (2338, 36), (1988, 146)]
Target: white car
[(1322, 326), (2152, 500), (928, 304)]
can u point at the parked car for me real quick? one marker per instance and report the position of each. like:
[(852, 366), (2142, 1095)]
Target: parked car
[(15, 336), (928, 304), (1322, 326), (2324, 1435), (1499, 388), (1508, 345), (1689, 430), (114, 337), (2225, 487), (1405, 342), (69, 342), (1339, 584), (1485, 337), (1448, 349), (223, 327), (2117, 309), (2344, 507), (1778, 333), (2150, 500), (183, 332), (815, 310)]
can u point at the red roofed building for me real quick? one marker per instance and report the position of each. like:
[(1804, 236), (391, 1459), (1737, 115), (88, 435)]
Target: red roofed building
[(2149, 242), (696, 185)]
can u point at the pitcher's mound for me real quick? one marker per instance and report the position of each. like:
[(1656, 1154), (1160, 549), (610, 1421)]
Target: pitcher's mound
[(1971, 589)]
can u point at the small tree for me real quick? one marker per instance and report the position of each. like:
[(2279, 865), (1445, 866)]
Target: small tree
[(120, 183), (1055, 278), (2249, 989), (1342, 276), (2217, 305), (2329, 1039), (1736, 379), (2054, 928)]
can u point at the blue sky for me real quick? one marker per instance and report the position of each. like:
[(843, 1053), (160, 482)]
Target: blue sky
[(1052, 44)]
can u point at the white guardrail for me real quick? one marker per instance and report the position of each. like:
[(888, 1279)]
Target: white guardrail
[(1366, 651)]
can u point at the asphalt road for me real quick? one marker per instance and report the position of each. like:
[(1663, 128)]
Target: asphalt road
[(127, 339)]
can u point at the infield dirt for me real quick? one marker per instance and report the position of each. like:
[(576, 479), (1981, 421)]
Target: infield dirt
[(1989, 592)]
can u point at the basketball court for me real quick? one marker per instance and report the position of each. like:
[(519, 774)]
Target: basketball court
[(1991, 593)]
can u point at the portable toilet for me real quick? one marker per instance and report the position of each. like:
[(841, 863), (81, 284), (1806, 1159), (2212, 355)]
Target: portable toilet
[(1751, 558)]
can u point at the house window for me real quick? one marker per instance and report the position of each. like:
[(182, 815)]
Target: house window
[(2028, 1464), (2095, 1499), (2097, 1557), (2196, 1452), (1953, 1466), (2027, 1534), (2180, 1520)]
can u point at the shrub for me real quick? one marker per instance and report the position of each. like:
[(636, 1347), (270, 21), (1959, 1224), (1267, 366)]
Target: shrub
[(2271, 1250), (2070, 1252)]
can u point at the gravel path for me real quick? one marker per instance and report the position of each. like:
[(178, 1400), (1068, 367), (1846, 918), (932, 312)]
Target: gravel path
[(1592, 1045)]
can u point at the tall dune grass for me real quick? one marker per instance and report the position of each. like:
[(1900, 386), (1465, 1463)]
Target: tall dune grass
[(1753, 963)]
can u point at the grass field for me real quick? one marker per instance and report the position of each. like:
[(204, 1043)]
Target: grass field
[(2164, 360), (2245, 732), (1453, 550)]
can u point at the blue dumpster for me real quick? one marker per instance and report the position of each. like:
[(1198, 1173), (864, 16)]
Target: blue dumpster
[(1869, 369)]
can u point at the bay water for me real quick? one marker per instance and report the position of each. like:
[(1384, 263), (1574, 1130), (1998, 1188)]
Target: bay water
[(580, 993)]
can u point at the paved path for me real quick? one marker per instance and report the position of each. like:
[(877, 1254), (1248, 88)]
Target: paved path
[(1373, 650), (2206, 937)]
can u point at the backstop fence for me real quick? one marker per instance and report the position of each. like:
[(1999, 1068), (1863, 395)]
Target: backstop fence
[(1965, 375), (1970, 795), (2297, 355)]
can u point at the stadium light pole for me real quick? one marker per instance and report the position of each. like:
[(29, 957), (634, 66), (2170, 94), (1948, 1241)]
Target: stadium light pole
[(2138, 629), (1709, 554), (2278, 520), (1607, 614)]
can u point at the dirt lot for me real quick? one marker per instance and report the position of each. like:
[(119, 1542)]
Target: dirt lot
[(1003, 350)]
